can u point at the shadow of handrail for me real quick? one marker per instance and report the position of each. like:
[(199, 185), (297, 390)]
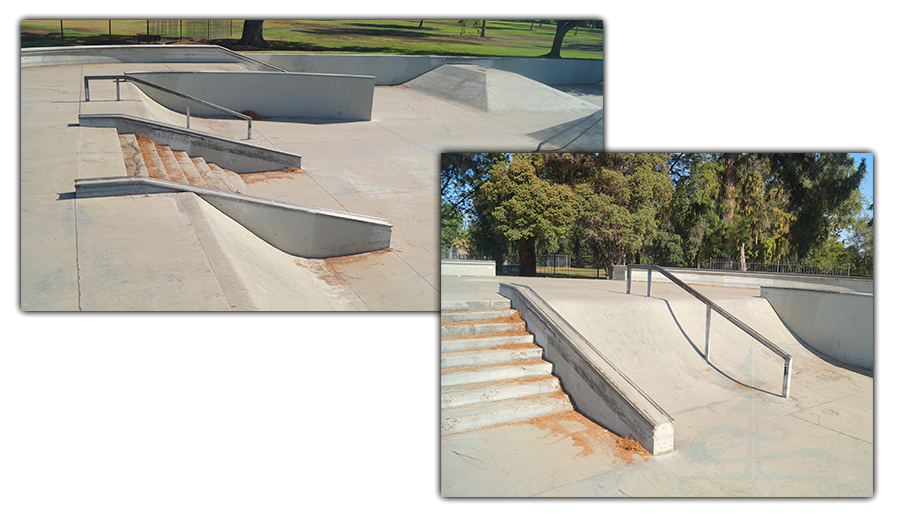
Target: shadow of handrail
[(711, 306)]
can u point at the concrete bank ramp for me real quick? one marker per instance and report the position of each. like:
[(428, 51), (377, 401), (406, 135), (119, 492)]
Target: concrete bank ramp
[(490, 90), (658, 343), (257, 276)]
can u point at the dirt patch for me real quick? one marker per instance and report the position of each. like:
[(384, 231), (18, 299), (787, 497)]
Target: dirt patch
[(512, 318), (285, 173), (589, 435), (334, 262), (322, 271)]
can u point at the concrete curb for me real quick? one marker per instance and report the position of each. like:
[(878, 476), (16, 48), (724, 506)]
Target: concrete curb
[(597, 388), (300, 231)]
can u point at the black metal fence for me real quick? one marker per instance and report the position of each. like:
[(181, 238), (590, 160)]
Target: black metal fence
[(193, 29), (780, 267), (553, 265)]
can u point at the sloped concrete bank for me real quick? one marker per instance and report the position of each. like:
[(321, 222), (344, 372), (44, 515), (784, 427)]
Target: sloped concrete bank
[(839, 324), (597, 388)]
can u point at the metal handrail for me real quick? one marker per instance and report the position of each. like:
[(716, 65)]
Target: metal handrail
[(710, 306), (118, 78)]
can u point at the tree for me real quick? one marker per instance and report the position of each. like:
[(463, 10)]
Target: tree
[(451, 225), (252, 35), (618, 195), (816, 186), (523, 208), (461, 175), (562, 27)]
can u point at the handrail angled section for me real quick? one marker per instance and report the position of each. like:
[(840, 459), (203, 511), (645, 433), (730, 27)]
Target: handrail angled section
[(710, 306), (118, 78)]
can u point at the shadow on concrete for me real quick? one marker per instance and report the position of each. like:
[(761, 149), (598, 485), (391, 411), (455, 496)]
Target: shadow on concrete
[(701, 354)]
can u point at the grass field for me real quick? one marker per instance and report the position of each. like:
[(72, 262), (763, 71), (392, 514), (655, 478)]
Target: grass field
[(405, 37)]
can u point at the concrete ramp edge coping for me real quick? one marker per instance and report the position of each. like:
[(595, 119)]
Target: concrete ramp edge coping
[(597, 388), (297, 230), (236, 156), (75, 55)]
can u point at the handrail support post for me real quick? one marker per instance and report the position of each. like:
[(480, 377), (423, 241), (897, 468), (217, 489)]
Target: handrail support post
[(786, 386), (708, 322)]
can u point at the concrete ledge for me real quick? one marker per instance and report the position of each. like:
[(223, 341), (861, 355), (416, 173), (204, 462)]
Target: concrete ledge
[(459, 267), (841, 325), (233, 155), (340, 97), (737, 279), (598, 390), (396, 70), (76, 55), (297, 230)]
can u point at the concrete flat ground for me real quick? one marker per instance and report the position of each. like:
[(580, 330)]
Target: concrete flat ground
[(734, 434), (125, 254)]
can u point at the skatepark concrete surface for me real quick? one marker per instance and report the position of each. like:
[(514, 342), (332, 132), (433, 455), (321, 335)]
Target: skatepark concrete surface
[(735, 436), (173, 252)]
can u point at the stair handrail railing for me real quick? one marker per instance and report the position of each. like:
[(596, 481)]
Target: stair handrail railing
[(119, 78), (710, 306)]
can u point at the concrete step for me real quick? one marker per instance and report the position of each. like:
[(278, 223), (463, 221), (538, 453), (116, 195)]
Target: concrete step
[(187, 167), (479, 304), (498, 391), (169, 162), (232, 179), (459, 330), (474, 315), (477, 416), (155, 166), (452, 345), (207, 177), (131, 154), (490, 356), (496, 372)]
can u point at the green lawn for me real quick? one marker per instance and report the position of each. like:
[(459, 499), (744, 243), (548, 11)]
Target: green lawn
[(435, 37)]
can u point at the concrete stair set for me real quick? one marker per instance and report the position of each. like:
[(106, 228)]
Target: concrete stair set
[(144, 157), (491, 371)]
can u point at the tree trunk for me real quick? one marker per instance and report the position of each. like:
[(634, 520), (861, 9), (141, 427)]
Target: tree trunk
[(420, 23), (562, 27), (743, 259), (729, 182), (483, 25), (527, 258), (252, 35)]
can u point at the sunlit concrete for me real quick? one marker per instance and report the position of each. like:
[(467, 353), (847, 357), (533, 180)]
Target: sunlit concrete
[(734, 434), (386, 168)]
